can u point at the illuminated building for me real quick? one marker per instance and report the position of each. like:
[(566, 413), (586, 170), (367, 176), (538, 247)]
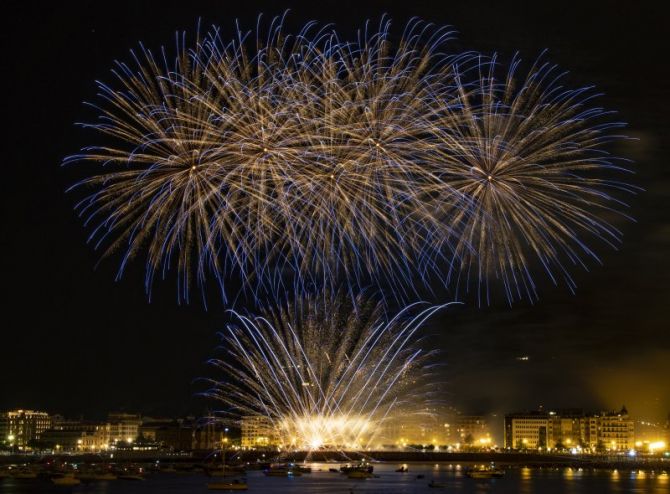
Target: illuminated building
[(431, 427), (22, 429), (527, 430), (123, 427), (170, 434), (257, 431), (76, 435), (151, 425), (570, 429), (472, 430), (616, 430)]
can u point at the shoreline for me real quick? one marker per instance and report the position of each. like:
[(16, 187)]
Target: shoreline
[(197, 459)]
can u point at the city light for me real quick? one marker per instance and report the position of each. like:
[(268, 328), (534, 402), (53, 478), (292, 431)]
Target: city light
[(656, 446)]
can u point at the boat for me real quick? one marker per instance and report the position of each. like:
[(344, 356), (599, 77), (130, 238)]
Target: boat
[(235, 485), (360, 474), (438, 485), (66, 480), (360, 467), (302, 469), (485, 472), (402, 469), (333, 470), (282, 472)]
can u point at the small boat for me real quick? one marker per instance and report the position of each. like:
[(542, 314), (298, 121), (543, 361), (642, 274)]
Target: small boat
[(360, 474), (361, 467), (402, 469), (484, 472), (282, 472), (420, 476), (235, 485), (437, 485), (302, 469), (333, 470), (66, 480)]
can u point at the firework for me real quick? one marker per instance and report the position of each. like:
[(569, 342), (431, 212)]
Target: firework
[(530, 156), (296, 162), (306, 159), (328, 371)]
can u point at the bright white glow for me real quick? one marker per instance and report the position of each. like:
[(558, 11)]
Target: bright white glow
[(656, 445), (316, 431)]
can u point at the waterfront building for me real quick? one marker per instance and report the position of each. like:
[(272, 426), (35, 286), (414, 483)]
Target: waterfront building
[(210, 435), (472, 430), (570, 429), (123, 426), (150, 425), (616, 431), (257, 431), (431, 427), (177, 435), (76, 436), (527, 430), (22, 429)]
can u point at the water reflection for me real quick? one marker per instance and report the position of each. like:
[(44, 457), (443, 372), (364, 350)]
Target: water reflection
[(517, 480)]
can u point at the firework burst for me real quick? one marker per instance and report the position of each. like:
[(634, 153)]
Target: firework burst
[(327, 371), (308, 159), (531, 158), (296, 162)]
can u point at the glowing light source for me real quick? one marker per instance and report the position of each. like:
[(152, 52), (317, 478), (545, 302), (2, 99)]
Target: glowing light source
[(362, 371)]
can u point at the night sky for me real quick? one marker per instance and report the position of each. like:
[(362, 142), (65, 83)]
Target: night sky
[(74, 341)]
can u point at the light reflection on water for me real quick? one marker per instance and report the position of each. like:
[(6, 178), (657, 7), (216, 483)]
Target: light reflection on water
[(518, 480)]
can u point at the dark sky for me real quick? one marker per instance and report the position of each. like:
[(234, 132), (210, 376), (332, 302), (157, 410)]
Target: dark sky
[(75, 341)]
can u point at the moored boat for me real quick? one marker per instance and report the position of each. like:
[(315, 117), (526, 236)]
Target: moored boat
[(360, 467), (360, 474), (485, 472), (282, 472)]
